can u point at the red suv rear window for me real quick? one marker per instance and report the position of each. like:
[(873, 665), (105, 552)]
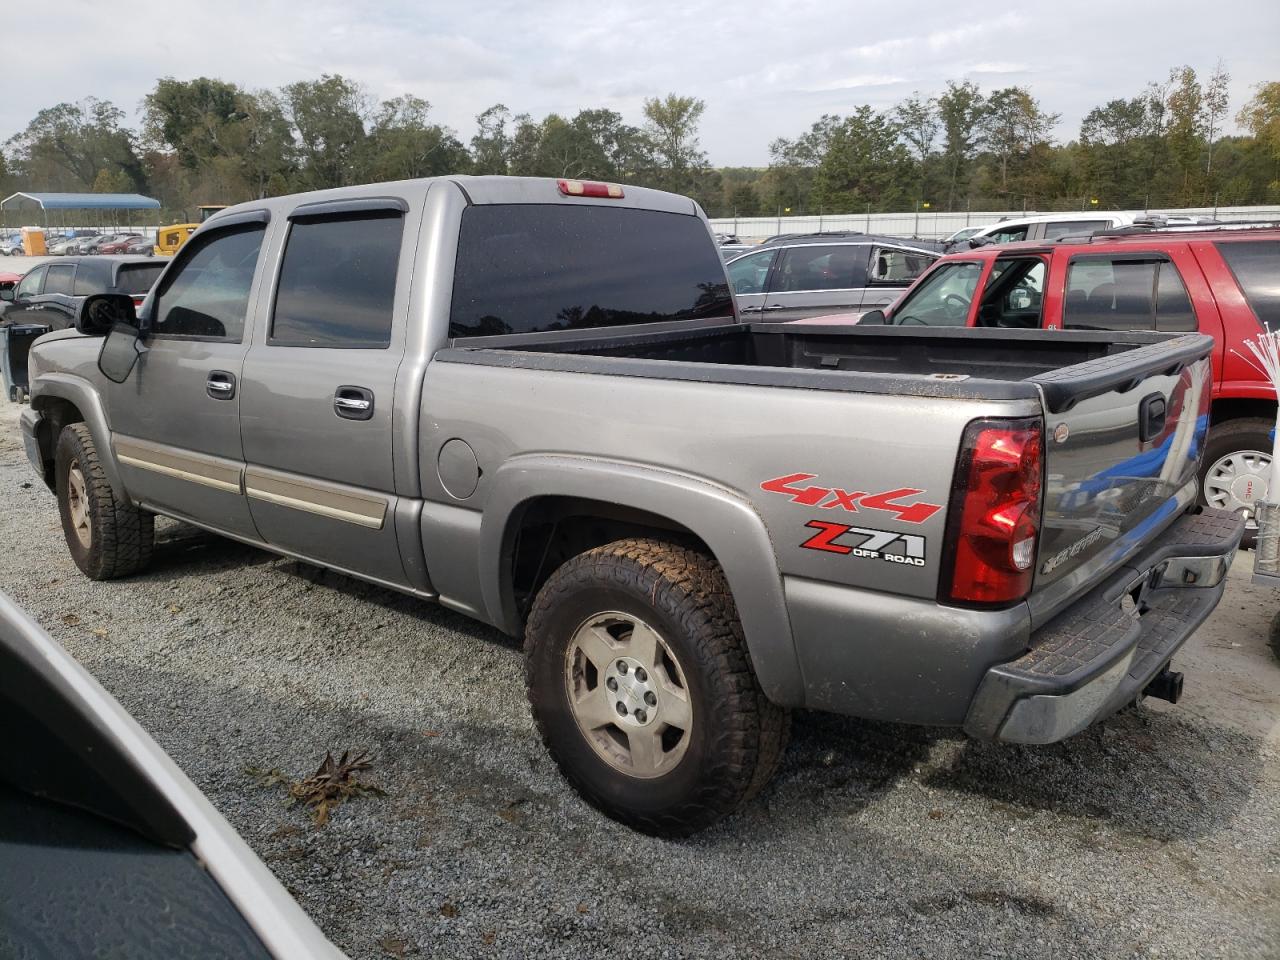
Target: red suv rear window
[(1256, 265)]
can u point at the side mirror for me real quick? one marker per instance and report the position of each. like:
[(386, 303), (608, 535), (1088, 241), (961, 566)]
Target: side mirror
[(872, 317), (976, 242), (6, 293), (119, 353), (99, 314)]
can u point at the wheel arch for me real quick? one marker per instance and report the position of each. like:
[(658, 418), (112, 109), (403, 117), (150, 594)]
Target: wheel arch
[(62, 400), (538, 499)]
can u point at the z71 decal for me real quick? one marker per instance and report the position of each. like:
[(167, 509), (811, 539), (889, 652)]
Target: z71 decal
[(829, 498), (904, 548)]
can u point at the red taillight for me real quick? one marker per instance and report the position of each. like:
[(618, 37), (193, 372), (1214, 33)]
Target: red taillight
[(994, 520), (137, 301), (590, 188)]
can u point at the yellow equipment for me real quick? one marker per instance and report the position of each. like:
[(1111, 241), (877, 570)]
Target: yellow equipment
[(171, 238)]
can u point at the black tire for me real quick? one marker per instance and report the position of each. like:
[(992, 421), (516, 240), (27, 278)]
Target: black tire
[(120, 535), (1231, 436), (737, 736)]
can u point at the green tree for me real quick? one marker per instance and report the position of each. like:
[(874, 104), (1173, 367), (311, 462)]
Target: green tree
[(67, 145), (491, 145), (189, 117), (403, 143), (917, 119), (1016, 130), (961, 110), (672, 125), (865, 165), (328, 119)]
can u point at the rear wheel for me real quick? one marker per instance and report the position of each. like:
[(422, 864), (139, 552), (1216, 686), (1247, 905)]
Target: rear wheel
[(1236, 468), (108, 537), (642, 689)]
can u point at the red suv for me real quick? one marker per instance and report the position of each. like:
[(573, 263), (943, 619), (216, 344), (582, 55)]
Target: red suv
[(1223, 281)]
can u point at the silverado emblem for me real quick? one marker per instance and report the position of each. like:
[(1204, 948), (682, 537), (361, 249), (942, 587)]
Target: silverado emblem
[(828, 498)]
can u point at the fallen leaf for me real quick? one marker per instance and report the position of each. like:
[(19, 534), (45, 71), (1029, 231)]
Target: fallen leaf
[(488, 937), (936, 814), (175, 608), (99, 632), (583, 908), (71, 620), (447, 909), (431, 733)]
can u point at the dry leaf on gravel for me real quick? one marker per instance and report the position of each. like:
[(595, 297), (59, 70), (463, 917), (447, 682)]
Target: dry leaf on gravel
[(392, 947), (332, 784)]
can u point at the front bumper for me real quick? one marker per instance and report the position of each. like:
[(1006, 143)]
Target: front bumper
[(1102, 651)]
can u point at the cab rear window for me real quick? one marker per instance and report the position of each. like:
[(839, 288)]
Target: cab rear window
[(1256, 265), (529, 268)]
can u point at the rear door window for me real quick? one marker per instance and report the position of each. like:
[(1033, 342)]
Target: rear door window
[(827, 267), (61, 279), (748, 274), (137, 278), (338, 282), (1256, 266), (1106, 293), (897, 268), (1174, 312), (529, 268)]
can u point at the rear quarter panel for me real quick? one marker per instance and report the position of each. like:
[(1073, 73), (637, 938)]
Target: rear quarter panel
[(808, 461)]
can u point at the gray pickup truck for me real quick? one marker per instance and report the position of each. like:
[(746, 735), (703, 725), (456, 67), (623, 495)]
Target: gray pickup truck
[(533, 402)]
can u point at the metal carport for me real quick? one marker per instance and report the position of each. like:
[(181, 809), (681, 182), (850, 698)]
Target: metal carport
[(98, 202)]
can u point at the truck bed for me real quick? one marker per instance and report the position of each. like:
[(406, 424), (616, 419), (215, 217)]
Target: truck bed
[(944, 362)]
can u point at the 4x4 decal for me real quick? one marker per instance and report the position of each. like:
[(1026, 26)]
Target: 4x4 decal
[(871, 544), (829, 498)]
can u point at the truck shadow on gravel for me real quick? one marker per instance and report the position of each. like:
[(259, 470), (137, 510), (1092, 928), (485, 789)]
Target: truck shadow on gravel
[(1154, 776)]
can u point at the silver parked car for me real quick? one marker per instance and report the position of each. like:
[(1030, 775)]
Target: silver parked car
[(799, 276)]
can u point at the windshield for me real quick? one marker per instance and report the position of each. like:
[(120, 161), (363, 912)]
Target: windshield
[(942, 299)]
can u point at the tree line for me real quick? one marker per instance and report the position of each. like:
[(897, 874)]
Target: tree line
[(211, 141)]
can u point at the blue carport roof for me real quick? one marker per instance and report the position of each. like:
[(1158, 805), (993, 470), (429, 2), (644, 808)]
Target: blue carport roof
[(85, 201)]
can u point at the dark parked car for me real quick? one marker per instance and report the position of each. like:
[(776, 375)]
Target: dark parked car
[(51, 292), (142, 246), (803, 275)]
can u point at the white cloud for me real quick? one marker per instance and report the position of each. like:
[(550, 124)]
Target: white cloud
[(765, 70)]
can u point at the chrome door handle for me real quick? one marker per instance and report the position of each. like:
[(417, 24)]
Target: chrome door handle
[(749, 309), (220, 385), (776, 306), (353, 403)]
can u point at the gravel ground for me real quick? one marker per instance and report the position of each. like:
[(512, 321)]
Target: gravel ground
[(1157, 834)]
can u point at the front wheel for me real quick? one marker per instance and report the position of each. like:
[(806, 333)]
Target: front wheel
[(1236, 469), (643, 691), (108, 537)]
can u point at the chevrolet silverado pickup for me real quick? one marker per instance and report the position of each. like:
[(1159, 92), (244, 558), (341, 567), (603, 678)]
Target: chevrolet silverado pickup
[(533, 401)]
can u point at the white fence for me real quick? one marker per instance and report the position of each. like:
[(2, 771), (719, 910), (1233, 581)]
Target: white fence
[(932, 226)]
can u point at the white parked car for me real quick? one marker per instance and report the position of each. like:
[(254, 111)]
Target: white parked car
[(1046, 226)]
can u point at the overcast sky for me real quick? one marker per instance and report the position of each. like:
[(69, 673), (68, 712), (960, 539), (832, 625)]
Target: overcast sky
[(765, 69)]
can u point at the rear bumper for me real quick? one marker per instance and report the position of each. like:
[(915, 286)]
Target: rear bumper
[(1102, 651)]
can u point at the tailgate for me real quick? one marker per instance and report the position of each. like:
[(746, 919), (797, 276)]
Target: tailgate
[(1123, 441)]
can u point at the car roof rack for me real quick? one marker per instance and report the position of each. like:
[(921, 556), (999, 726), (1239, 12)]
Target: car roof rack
[(1217, 226)]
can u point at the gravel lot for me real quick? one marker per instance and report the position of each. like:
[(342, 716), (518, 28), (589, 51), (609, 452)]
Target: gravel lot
[(1157, 834)]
